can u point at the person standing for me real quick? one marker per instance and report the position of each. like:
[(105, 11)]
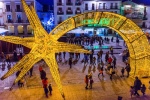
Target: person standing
[(128, 69), (15, 56), (45, 82), (70, 62), (111, 50), (50, 89), (122, 72), (137, 85), (101, 71), (86, 81), (91, 82), (31, 71), (114, 61)]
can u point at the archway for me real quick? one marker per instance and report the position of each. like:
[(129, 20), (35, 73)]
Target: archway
[(135, 39)]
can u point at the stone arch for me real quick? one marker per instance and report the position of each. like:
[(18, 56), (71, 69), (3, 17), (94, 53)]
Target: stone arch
[(134, 37)]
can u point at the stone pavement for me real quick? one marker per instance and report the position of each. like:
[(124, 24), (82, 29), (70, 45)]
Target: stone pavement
[(73, 85)]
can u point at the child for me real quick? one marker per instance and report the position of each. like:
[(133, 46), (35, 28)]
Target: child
[(131, 91), (143, 89), (122, 71), (50, 89)]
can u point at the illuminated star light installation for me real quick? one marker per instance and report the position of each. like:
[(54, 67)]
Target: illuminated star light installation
[(42, 45)]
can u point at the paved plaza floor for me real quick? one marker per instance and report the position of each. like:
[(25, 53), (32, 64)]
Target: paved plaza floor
[(73, 84)]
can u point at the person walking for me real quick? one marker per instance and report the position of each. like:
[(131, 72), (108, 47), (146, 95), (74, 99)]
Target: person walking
[(101, 71), (91, 82), (122, 72), (45, 83), (128, 69), (111, 50), (50, 89), (137, 85), (86, 81), (143, 89), (70, 62)]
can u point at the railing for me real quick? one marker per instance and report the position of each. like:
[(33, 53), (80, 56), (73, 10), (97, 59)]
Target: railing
[(69, 12), (8, 10), (78, 3), (18, 10), (9, 21), (69, 3), (59, 4), (60, 13)]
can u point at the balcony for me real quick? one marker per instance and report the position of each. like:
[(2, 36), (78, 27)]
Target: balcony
[(78, 3), (69, 3), (69, 12), (9, 21), (18, 10), (60, 13), (19, 21), (8, 10), (78, 12), (113, 7), (59, 4)]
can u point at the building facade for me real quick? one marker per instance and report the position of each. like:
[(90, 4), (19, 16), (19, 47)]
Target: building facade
[(64, 9), (138, 13), (13, 18)]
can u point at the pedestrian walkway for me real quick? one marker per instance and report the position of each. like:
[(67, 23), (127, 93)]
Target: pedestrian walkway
[(73, 84)]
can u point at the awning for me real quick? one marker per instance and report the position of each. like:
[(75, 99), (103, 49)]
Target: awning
[(2, 30), (77, 31)]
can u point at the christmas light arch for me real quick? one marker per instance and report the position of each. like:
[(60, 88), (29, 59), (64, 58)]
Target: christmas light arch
[(44, 46)]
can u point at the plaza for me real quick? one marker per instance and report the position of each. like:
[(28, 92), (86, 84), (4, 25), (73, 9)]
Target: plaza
[(73, 83)]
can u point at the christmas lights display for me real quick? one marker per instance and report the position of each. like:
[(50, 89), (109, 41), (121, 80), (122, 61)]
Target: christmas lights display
[(44, 45)]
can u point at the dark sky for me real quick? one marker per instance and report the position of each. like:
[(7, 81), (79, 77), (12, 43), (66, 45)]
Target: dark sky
[(49, 2), (145, 2)]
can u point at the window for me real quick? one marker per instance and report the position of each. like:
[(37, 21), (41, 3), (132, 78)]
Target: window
[(104, 5), (60, 20), (7, 7), (69, 11), (99, 5), (60, 11), (69, 2), (18, 18), (116, 5), (59, 2), (111, 6), (9, 20), (18, 8), (78, 11), (78, 2), (86, 6), (93, 8)]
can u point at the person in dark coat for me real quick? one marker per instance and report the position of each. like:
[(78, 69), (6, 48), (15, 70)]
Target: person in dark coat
[(50, 89), (137, 85), (70, 62), (42, 74), (128, 69)]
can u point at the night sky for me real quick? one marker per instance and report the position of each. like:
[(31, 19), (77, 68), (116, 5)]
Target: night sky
[(145, 2), (49, 2)]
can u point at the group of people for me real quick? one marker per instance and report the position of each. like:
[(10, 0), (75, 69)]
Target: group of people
[(47, 87), (136, 87)]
